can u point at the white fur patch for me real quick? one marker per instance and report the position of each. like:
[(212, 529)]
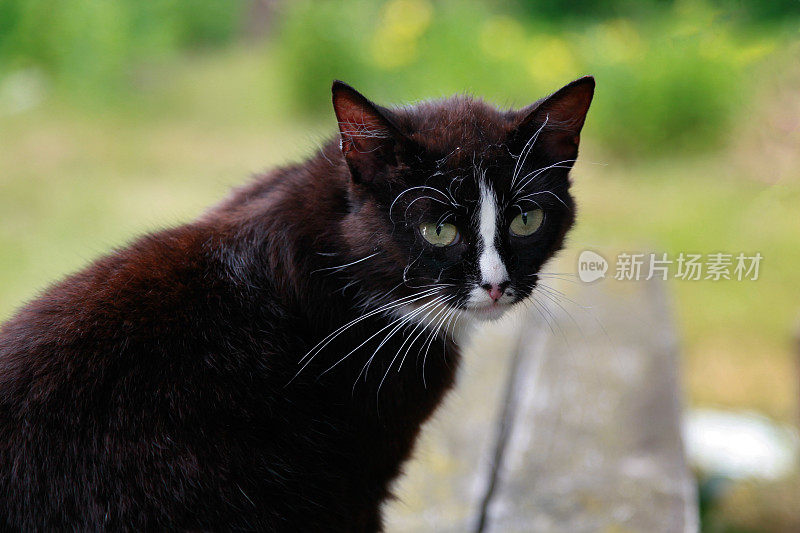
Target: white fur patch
[(492, 269), (490, 265)]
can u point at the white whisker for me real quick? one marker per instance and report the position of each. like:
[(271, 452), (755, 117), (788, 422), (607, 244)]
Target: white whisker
[(528, 178), (420, 324), (526, 150), (351, 352), (450, 199), (405, 320), (388, 369), (386, 307), (429, 341), (340, 267)]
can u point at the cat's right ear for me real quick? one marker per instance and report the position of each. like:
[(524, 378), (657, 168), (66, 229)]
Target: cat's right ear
[(369, 139), (555, 122)]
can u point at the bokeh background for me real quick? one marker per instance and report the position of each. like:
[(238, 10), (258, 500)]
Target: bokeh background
[(126, 116)]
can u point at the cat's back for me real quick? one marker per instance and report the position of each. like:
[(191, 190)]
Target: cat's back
[(118, 381), (125, 292), (144, 392), (172, 303), (101, 362)]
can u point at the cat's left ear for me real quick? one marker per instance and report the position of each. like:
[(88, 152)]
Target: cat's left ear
[(370, 141), (556, 121)]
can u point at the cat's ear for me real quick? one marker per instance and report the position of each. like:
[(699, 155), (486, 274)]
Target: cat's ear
[(369, 139), (555, 122)]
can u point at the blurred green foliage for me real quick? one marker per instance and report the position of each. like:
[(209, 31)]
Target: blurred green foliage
[(747, 10), (670, 73), (93, 46), (668, 81)]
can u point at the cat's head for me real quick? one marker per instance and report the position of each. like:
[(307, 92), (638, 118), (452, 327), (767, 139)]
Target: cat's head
[(456, 201)]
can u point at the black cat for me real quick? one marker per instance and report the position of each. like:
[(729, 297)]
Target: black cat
[(268, 366)]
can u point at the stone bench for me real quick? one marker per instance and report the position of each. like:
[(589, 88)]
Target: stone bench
[(564, 418)]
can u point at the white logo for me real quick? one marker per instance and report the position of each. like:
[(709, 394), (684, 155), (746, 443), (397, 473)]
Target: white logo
[(591, 266)]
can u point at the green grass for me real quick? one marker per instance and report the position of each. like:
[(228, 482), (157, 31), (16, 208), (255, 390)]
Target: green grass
[(74, 184)]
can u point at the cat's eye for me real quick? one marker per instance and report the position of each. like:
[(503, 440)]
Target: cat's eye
[(439, 234), (526, 223)]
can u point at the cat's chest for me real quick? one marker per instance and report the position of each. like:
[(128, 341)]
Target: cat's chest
[(383, 368)]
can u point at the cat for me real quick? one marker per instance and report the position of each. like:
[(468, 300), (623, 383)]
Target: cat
[(268, 365)]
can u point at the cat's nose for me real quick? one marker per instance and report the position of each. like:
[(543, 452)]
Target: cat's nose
[(496, 290)]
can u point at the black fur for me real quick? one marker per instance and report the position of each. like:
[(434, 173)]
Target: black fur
[(165, 385)]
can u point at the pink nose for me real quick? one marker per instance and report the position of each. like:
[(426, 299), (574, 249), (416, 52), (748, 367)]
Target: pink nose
[(495, 291)]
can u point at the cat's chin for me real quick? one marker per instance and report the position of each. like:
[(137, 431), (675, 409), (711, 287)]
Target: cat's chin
[(489, 313)]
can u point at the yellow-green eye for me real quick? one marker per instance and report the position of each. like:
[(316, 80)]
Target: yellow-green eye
[(439, 234), (526, 223)]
